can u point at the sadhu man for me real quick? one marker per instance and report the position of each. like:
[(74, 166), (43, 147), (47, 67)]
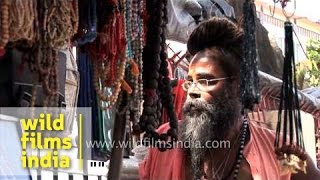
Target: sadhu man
[(212, 112)]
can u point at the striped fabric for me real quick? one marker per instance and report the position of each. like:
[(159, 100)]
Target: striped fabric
[(270, 97)]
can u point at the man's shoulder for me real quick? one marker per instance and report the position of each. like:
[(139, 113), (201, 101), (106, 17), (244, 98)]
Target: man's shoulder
[(165, 127), (262, 129), (261, 133)]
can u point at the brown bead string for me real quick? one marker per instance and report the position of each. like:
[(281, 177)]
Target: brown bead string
[(51, 97), (34, 90), (75, 16), (47, 25), (54, 80), (33, 94), (100, 87), (22, 20), (45, 57), (4, 28), (60, 23), (44, 64)]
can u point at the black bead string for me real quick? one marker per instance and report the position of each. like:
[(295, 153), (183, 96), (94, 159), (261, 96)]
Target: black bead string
[(165, 87), (241, 149), (289, 124), (148, 121), (157, 91), (250, 92), (236, 166)]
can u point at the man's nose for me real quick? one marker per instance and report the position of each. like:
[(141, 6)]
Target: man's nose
[(194, 93)]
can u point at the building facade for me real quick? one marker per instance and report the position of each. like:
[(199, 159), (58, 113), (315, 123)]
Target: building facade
[(273, 19)]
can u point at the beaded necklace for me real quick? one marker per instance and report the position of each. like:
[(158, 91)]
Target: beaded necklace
[(236, 166), (240, 152)]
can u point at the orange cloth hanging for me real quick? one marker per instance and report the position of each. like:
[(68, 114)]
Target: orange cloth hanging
[(179, 96)]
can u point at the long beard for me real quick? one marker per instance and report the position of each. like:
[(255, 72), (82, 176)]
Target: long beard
[(207, 122)]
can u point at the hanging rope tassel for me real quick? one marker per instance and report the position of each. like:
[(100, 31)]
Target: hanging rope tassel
[(250, 92), (289, 146)]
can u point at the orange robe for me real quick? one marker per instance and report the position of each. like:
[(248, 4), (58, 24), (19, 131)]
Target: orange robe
[(259, 152)]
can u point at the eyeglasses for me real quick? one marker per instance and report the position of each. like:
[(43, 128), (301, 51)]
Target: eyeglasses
[(202, 84)]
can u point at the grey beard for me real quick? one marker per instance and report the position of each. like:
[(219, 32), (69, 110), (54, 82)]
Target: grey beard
[(205, 122)]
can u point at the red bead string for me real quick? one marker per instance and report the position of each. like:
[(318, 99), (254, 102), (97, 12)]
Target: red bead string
[(108, 55)]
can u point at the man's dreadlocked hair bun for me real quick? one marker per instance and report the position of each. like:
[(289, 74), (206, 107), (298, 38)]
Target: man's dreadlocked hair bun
[(221, 33)]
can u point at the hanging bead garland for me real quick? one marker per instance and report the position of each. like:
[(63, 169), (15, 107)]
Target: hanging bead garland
[(138, 52), (118, 47), (156, 83), (4, 28), (60, 22), (164, 80), (23, 14), (289, 146), (108, 54), (56, 26), (250, 92), (133, 12), (43, 64), (151, 67)]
